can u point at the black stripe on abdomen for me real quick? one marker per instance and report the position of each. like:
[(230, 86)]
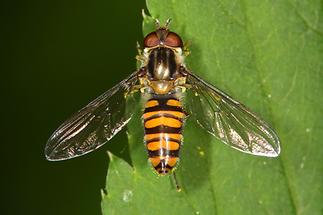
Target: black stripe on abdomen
[(165, 108), (163, 129), (163, 152)]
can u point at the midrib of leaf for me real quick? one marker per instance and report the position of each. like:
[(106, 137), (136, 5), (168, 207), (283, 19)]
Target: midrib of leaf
[(212, 188), (265, 91), (188, 201)]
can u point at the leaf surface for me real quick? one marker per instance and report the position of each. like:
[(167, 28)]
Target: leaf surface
[(267, 55)]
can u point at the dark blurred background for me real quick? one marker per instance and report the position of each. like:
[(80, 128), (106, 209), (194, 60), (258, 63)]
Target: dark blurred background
[(57, 57)]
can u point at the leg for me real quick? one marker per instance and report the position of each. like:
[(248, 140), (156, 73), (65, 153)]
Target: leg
[(178, 187)]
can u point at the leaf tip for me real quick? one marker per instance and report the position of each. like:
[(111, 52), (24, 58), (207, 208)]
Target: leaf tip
[(104, 193), (110, 155)]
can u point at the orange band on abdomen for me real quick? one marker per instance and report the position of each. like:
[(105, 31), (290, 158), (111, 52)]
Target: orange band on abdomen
[(163, 121), (156, 145), (151, 103), (173, 102), (163, 135)]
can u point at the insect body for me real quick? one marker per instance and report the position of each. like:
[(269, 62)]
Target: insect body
[(172, 93), (163, 121)]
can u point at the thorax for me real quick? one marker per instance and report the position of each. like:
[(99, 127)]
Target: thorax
[(162, 69)]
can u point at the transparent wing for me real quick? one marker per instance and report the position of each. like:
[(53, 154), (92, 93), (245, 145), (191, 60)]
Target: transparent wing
[(229, 120), (94, 124)]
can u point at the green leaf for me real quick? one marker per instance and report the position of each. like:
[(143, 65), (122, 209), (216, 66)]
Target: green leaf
[(269, 56)]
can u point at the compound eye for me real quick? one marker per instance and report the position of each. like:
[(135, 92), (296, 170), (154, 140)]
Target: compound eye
[(151, 40), (173, 40)]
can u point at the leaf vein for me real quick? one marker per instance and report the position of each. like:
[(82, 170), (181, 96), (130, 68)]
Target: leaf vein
[(264, 90)]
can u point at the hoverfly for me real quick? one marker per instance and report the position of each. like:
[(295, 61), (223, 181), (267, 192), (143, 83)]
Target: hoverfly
[(171, 93)]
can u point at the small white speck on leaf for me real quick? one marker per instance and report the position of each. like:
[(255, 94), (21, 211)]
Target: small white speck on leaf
[(303, 160), (127, 195), (200, 151)]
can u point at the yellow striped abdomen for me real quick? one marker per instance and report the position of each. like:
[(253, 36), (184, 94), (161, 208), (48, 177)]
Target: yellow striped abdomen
[(163, 122)]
